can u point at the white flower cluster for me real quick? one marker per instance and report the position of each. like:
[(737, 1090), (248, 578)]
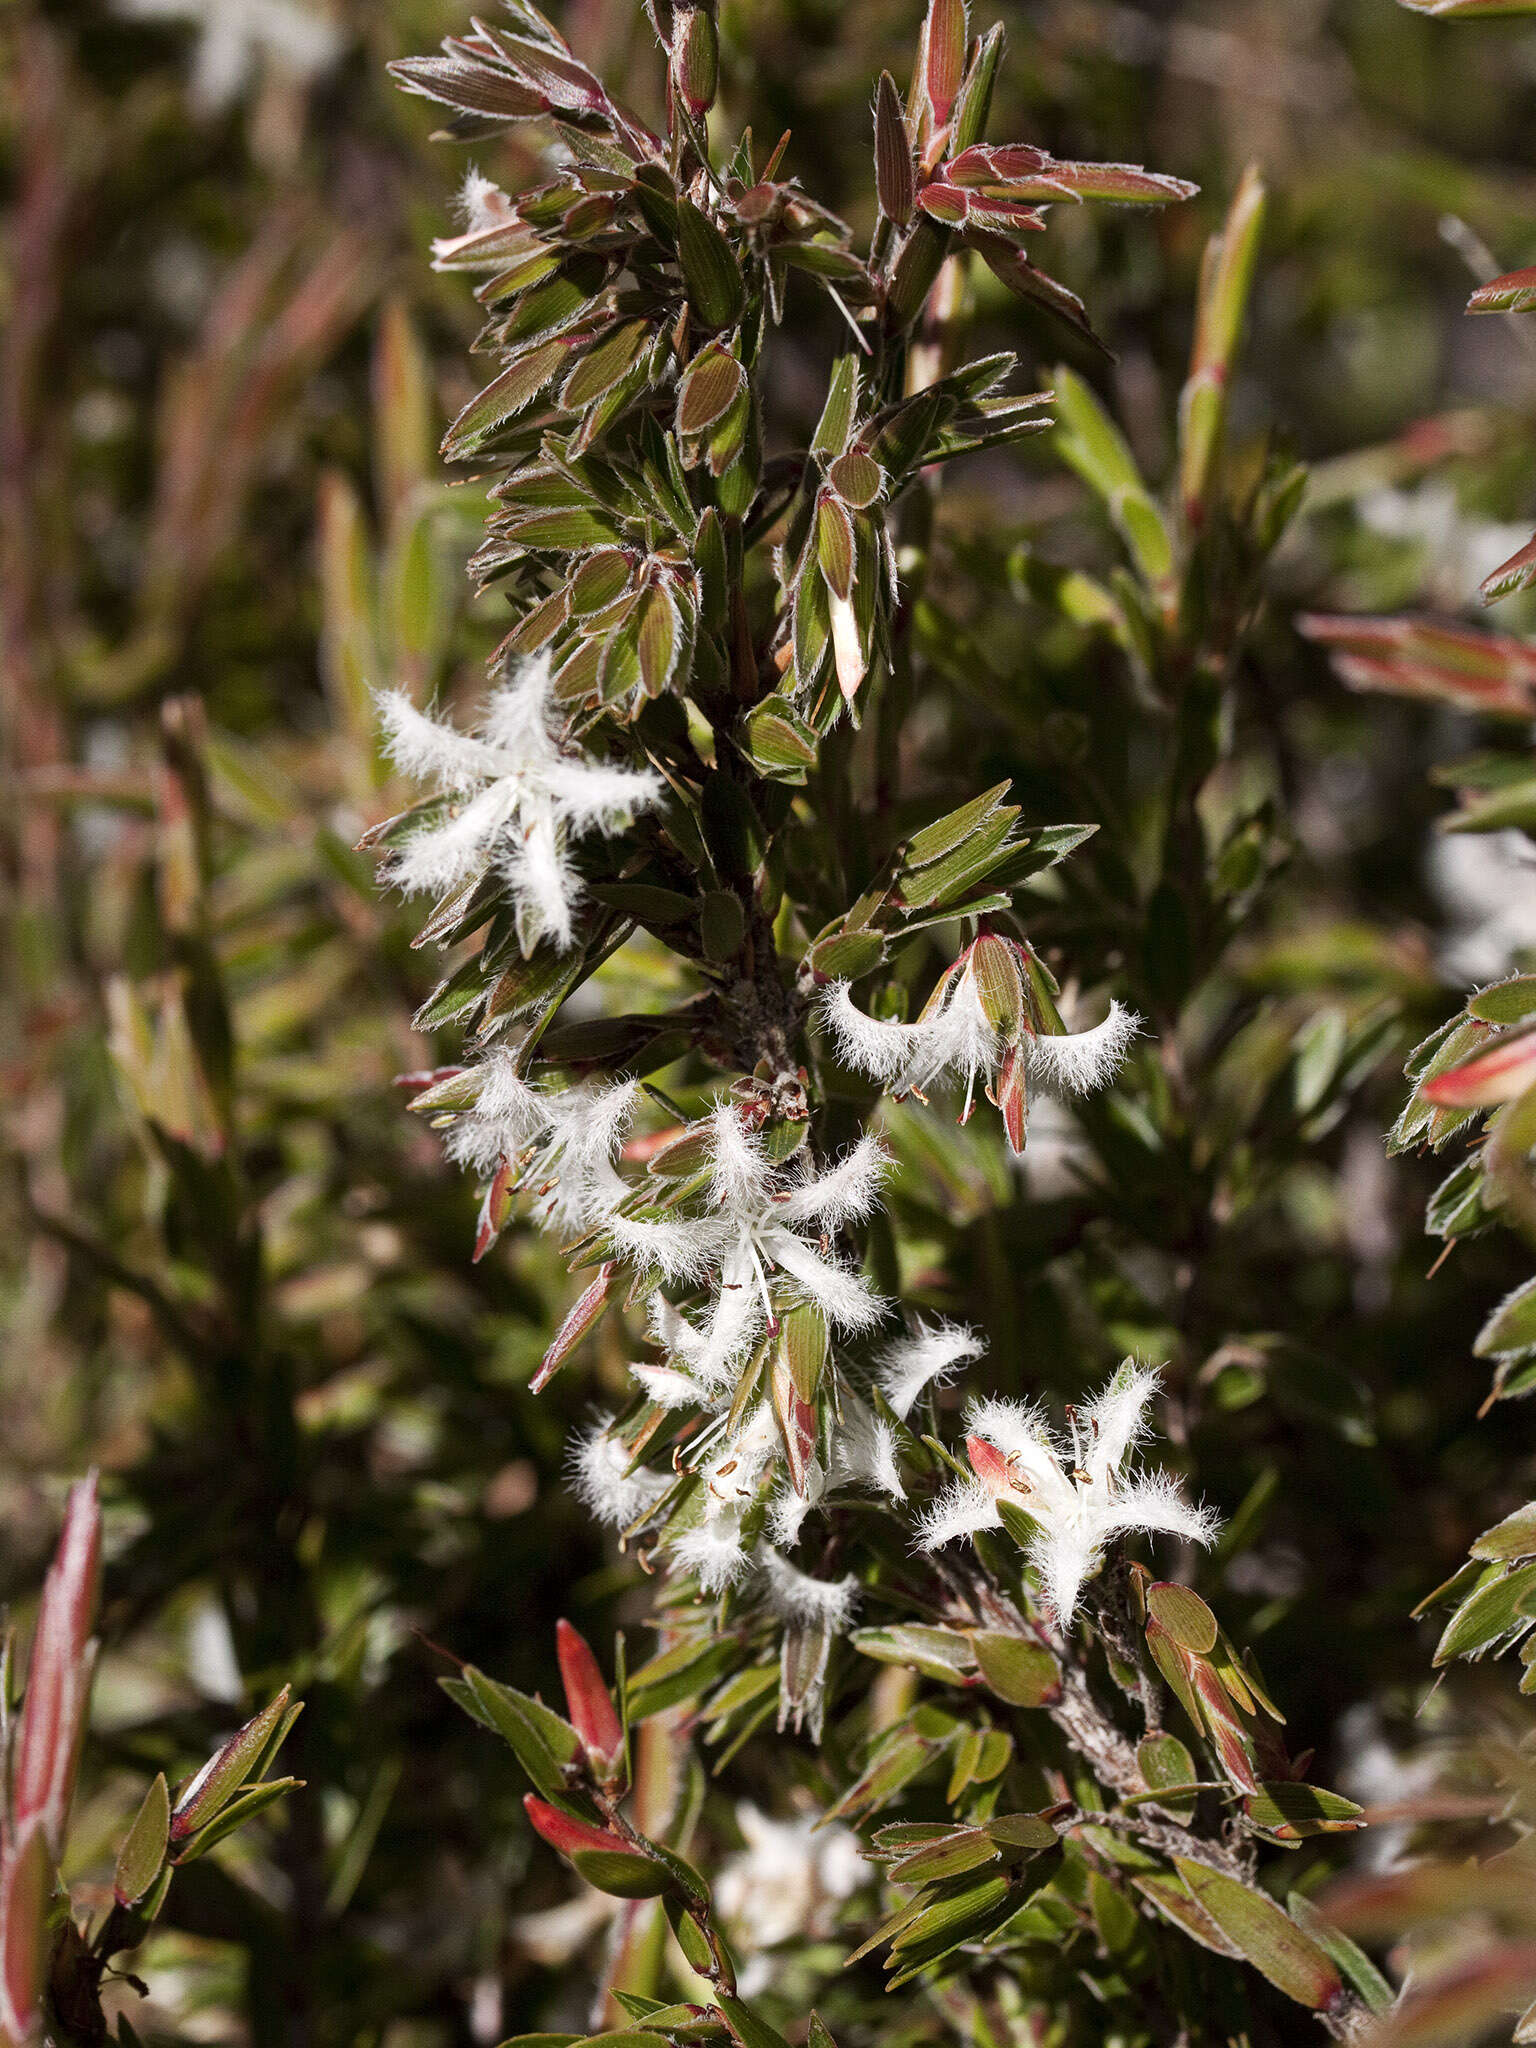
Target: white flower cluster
[(1079, 1492), (730, 1229), (514, 800)]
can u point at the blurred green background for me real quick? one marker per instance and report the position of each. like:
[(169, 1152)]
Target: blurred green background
[(224, 368)]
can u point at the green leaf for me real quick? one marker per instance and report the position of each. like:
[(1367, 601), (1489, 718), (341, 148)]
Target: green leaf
[(517, 386), (969, 1914), (621, 1873), (710, 386), (895, 176), (940, 1653), (1174, 1903), (205, 1794), (1356, 1965), (836, 422), (1511, 1539), (1185, 1616), (541, 1741), (1164, 1762), (1512, 1326), (1023, 1673), (243, 1807), (143, 1850), (945, 835), (953, 1855), (747, 2029), (1496, 1611), (1094, 446), (1506, 1002), (1292, 1961), (678, 1674), (1292, 1810), (844, 956), (1030, 1831), (604, 364), (779, 742), (711, 274)]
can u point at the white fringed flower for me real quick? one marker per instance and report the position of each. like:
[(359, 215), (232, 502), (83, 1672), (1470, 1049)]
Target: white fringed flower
[(757, 1221), (1080, 1493), (519, 800), (603, 1483), (798, 1599), (561, 1143), (928, 1357), (983, 1023)]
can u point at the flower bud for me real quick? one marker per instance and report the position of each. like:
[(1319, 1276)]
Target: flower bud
[(696, 57), (994, 969), (604, 1859), (588, 1701)]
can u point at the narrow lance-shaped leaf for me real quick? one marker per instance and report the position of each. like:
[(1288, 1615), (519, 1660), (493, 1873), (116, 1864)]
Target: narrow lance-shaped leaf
[(58, 1675), (1272, 1942), (895, 179), (716, 290), (1226, 281), (584, 1316), (143, 1850), (199, 1800)]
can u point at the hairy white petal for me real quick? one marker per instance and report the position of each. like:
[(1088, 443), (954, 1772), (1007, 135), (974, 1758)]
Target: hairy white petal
[(865, 1450), (601, 1483), (521, 719), (714, 1552), (431, 749), (787, 1513), (1115, 1419), (1082, 1060), (794, 1596), (673, 1331), (967, 1045), (848, 1190), (1153, 1503), (525, 796), (1019, 1432), (928, 1357), (593, 793), (506, 1098), (873, 1047), (668, 1387), (731, 1478), (545, 887), (452, 850), (960, 1510), (742, 1179), (481, 203), (736, 1314), (843, 1296), (683, 1248), (1064, 1556)]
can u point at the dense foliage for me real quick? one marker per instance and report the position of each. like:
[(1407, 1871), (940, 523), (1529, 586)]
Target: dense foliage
[(898, 1134)]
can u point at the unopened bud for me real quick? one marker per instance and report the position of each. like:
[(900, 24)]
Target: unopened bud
[(696, 57), (588, 1701)]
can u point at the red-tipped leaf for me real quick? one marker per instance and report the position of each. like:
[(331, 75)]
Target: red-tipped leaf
[(58, 1677)]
